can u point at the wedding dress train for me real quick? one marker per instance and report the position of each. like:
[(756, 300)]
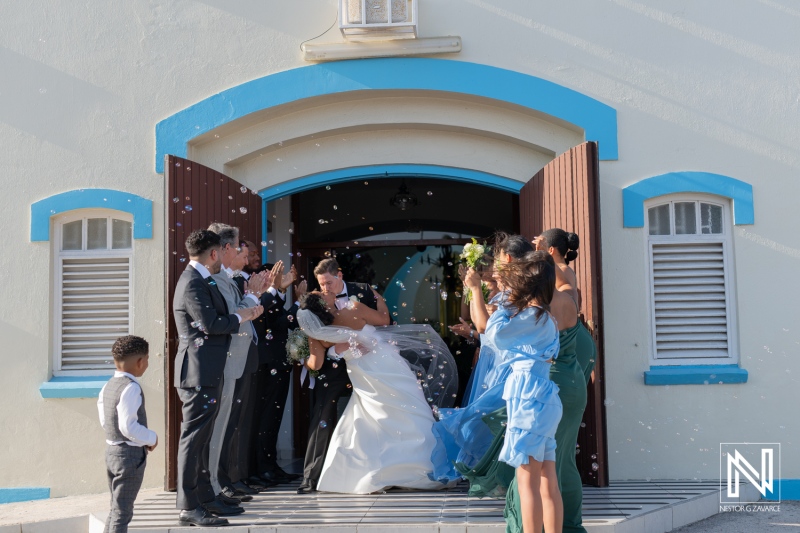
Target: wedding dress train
[(384, 438)]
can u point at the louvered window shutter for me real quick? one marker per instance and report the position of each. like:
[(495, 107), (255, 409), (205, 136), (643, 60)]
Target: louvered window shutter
[(95, 310), (690, 290), (94, 281), (689, 297)]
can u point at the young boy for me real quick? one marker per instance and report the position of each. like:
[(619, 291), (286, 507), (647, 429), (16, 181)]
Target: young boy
[(122, 415)]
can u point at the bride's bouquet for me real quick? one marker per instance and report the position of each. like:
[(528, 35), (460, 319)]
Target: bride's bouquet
[(472, 256), (297, 350)]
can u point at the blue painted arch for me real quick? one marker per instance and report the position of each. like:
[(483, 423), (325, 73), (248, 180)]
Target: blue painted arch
[(389, 171), (141, 209), (598, 120), (634, 196), (320, 179)]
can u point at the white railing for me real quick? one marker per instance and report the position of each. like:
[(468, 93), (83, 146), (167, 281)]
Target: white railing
[(364, 20)]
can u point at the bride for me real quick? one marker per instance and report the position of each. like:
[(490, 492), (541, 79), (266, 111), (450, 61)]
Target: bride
[(399, 373)]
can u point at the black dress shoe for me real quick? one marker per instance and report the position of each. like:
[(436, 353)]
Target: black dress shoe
[(240, 488), (259, 484), (307, 487), (271, 477), (231, 497), (291, 477), (200, 517), (216, 507)]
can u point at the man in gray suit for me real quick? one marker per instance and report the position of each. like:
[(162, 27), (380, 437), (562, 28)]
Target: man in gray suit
[(205, 326), (234, 257)]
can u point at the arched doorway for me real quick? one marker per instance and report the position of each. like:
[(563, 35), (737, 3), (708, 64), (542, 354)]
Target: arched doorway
[(366, 120), (563, 194)]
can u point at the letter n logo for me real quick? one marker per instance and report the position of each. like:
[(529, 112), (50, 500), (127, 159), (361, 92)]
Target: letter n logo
[(737, 459)]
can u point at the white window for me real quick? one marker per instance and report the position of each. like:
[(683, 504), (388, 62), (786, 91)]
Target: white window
[(92, 289), (691, 281)]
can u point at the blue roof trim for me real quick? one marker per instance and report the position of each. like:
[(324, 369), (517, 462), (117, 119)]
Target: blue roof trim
[(695, 375), (389, 171), (634, 196), (73, 386), (140, 208), (598, 120)]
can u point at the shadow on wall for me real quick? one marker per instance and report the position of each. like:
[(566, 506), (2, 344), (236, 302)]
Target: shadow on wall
[(46, 102), (291, 18)]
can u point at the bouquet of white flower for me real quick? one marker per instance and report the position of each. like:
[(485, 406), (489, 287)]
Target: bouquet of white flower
[(297, 347), (472, 256)]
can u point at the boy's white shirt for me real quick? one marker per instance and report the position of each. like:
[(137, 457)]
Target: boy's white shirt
[(127, 413)]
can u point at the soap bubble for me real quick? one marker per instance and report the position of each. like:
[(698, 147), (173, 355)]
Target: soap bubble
[(595, 467), (198, 343), (273, 372), (243, 189), (323, 424), (187, 207), (430, 193), (212, 401), (243, 210), (176, 200)]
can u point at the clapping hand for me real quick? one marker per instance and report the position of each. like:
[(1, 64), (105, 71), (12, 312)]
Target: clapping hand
[(258, 283), (250, 313), (289, 278), (300, 289), (277, 275)]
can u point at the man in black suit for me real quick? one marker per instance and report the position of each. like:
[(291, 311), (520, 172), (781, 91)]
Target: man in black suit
[(205, 327), (327, 391), (273, 377)]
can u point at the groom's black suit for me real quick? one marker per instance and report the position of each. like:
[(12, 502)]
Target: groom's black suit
[(199, 365), (325, 397)]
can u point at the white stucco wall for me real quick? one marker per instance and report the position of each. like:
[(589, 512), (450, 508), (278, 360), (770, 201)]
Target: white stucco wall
[(709, 86)]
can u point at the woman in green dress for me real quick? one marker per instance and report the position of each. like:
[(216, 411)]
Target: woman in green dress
[(563, 246)]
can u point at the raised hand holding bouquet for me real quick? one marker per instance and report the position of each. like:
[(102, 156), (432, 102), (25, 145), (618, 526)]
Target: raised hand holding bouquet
[(472, 256)]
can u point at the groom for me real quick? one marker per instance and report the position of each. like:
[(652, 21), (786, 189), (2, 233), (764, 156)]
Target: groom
[(326, 393)]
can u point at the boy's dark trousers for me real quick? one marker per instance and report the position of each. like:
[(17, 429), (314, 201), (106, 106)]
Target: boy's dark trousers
[(125, 469)]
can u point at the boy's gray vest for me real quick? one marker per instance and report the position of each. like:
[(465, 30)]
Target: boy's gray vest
[(111, 396)]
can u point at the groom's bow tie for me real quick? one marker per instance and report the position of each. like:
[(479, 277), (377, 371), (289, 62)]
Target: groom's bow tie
[(343, 295)]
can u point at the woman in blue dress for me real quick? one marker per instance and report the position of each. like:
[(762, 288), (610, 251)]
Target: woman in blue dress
[(463, 437), (528, 337)]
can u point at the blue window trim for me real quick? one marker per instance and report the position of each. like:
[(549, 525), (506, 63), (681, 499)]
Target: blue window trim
[(73, 386), (634, 196), (695, 375), (23, 494), (598, 120), (377, 172), (140, 208)]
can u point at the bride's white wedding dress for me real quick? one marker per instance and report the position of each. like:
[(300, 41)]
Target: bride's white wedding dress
[(384, 437)]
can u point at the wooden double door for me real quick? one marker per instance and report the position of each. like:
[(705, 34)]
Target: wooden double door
[(563, 194)]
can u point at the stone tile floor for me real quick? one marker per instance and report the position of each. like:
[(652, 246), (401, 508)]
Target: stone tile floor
[(609, 509)]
